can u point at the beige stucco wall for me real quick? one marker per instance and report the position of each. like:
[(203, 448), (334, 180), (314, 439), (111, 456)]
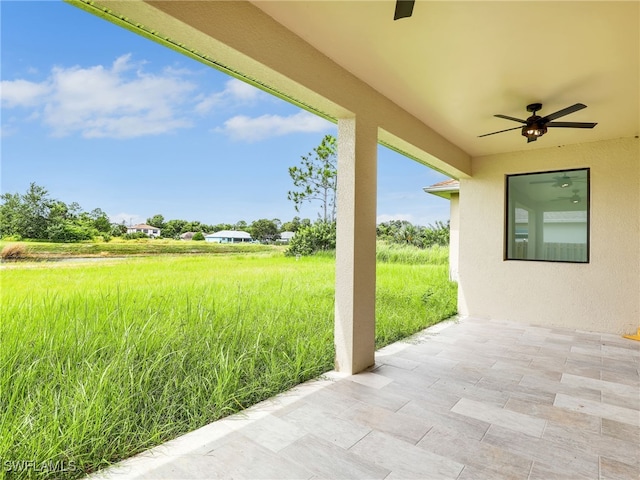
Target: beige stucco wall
[(454, 235), (603, 295)]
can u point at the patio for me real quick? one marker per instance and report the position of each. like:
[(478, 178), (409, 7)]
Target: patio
[(469, 399)]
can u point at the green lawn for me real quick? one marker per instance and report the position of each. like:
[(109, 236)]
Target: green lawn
[(99, 361)]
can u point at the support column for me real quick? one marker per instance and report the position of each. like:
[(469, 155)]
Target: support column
[(356, 245)]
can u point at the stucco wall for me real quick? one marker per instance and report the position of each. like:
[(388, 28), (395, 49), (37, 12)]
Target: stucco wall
[(603, 295), (454, 236)]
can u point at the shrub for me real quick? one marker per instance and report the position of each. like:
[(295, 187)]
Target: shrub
[(198, 236), (317, 237), (69, 232), (135, 235), (13, 251)]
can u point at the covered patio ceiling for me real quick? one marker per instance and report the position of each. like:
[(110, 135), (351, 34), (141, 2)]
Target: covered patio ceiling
[(454, 64)]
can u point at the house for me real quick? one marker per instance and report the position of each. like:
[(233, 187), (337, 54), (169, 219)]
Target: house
[(228, 236), (285, 237), (430, 87), (149, 230), (187, 236)]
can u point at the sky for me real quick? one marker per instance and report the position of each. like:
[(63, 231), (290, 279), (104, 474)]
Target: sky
[(103, 117)]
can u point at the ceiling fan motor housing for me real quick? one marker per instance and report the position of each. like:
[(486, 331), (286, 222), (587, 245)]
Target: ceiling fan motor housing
[(535, 127)]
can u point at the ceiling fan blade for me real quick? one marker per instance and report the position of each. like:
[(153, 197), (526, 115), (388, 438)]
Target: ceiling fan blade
[(571, 124), (500, 131), (404, 9), (531, 139), (563, 112), (510, 118)]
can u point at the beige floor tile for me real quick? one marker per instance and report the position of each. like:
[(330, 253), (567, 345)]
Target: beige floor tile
[(622, 431), (614, 470), (391, 400), (564, 460), (594, 444), (516, 421), (542, 471), (408, 428), (327, 460), (602, 385), (403, 459), (555, 416), (343, 433), (598, 409), (370, 379), (486, 460)]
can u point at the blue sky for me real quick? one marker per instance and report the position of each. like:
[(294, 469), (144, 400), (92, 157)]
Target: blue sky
[(103, 117)]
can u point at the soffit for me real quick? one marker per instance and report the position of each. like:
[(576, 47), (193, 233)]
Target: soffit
[(455, 64)]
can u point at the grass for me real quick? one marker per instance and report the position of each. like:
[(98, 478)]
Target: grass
[(101, 361), (117, 247)]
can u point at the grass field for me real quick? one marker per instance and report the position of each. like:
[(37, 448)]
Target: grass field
[(117, 247), (99, 361)]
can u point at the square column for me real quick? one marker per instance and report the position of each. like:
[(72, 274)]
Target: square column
[(356, 245)]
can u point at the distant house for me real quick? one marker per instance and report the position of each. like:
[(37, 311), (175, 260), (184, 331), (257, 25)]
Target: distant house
[(187, 236), (144, 228), (228, 236), (285, 237)]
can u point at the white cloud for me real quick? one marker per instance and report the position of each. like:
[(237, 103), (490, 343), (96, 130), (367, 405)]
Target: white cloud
[(235, 92), (22, 93), (120, 101), (127, 218), (253, 129)]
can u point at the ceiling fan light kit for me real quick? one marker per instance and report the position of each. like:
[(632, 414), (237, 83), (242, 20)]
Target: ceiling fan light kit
[(536, 126)]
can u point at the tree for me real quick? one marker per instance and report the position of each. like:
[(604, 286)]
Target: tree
[(198, 236), (264, 230), (26, 215), (173, 228), (156, 221), (317, 179)]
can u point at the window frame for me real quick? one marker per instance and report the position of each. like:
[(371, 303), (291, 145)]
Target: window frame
[(588, 213)]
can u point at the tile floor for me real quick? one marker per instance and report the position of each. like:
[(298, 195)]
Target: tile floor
[(472, 399)]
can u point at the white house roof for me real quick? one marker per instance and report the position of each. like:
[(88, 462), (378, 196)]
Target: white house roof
[(143, 226), (444, 189), (229, 234), (287, 235)]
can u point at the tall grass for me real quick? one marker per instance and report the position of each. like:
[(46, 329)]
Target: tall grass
[(118, 247), (101, 361), (409, 254)]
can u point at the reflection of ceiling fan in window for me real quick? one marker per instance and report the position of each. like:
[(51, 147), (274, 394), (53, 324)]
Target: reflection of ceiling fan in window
[(562, 181), (575, 198)]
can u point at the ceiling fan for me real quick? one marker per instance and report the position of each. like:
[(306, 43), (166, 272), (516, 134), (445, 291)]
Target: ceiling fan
[(404, 9), (575, 198), (535, 126), (561, 181)]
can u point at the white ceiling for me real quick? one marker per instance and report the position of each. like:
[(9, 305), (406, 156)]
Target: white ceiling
[(455, 64)]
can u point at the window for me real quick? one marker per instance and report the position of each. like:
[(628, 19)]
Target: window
[(547, 216)]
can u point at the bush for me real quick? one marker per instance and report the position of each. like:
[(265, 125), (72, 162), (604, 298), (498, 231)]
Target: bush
[(13, 251), (317, 237), (134, 235), (68, 232), (198, 236)]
